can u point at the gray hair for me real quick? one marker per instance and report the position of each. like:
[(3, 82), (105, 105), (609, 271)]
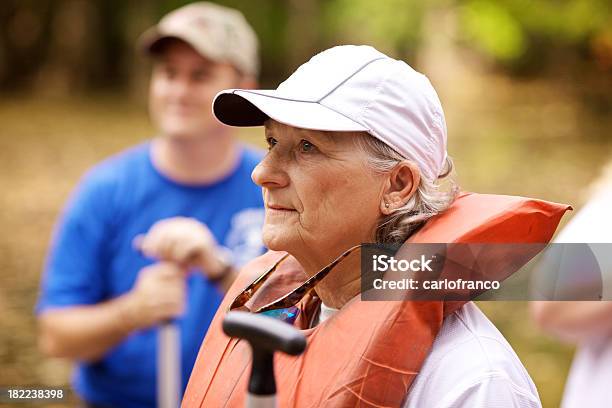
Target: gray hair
[(432, 197)]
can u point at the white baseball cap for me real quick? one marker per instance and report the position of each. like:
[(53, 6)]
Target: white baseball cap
[(351, 88)]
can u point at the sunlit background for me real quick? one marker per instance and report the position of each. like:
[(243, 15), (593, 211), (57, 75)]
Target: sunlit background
[(526, 86)]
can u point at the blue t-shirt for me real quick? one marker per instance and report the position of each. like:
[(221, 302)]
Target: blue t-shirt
[(92, 259)]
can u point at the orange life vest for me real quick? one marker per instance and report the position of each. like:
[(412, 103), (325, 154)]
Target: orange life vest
[(368, 353)]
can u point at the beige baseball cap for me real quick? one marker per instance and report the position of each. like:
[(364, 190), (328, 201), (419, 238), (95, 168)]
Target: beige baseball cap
[(216, 32)]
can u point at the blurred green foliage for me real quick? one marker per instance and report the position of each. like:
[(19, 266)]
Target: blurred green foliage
[(92, 41), (393, 25), (506, 29), (493, 29)]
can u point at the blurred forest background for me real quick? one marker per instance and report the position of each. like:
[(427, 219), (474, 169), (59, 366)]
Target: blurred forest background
[(526, 85)]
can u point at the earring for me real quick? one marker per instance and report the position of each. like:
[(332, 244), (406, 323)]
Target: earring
[(386, 205)]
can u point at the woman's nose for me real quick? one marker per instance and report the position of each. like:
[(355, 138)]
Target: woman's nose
[(269, 174)]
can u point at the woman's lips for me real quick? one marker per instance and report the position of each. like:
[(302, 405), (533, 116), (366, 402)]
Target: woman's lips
[(278, 208)]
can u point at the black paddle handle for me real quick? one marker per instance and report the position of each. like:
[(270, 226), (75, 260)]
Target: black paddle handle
[(266, 335)]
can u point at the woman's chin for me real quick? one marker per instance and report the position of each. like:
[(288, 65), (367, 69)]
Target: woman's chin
[(277, 241)]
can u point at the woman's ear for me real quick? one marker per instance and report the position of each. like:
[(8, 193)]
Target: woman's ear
[(401, 184)]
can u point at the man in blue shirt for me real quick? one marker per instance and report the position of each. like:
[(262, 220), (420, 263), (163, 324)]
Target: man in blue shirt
[(157, 232)]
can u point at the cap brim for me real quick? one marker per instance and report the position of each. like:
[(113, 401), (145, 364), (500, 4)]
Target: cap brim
[(240, 107), (149, 42)]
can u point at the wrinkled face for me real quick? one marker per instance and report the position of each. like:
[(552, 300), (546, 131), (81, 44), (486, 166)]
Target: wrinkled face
[(320, 197), (183, 85)]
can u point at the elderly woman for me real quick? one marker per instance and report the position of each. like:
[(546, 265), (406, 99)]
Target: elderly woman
[(357, 148)]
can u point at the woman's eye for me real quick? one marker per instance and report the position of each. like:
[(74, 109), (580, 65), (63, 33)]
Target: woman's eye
[(306, 146), (271, 142)]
